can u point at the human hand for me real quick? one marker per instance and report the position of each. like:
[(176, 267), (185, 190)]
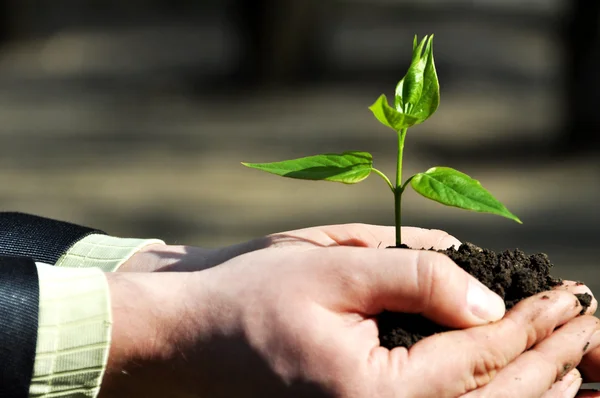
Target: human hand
[(188, 258), (299, 321), (590, 370)]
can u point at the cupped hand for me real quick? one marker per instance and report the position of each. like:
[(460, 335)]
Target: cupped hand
[(188, 258), (300, 321)]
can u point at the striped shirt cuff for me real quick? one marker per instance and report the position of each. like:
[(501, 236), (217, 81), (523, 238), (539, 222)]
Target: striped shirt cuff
[(73, 332), (102, 251)]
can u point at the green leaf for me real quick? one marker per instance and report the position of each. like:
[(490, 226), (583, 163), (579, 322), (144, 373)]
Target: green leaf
[(347, 168), (418, 93), (390, 117), (430, 93), (453, 188), (411, 86), (398, 101)]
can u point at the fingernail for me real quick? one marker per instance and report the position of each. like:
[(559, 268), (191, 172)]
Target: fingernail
[(483, 303), (593, 343)]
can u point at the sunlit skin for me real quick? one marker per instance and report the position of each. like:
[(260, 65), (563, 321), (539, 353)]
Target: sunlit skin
[(292, 315)]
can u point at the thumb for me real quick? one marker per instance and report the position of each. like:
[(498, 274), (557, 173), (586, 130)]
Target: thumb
[(416, 281)]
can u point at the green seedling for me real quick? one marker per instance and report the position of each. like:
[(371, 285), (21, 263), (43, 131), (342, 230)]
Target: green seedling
[(416, 98)]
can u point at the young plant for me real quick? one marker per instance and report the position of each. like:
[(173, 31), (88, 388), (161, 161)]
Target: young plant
[(416, 98)]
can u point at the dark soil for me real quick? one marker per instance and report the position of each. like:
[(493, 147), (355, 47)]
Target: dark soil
[(512, 274)]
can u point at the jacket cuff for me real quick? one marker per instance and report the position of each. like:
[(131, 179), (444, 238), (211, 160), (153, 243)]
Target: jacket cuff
[(39, 238), (102, 251), (74, 332)]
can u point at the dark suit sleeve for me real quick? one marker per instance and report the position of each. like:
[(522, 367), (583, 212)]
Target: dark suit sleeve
[(19, 305), (42, 239)]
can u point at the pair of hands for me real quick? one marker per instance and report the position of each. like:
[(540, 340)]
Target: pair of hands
[(293, 315)]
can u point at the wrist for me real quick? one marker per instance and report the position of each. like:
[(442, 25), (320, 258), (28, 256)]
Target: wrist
[(172, 335), (152, 318)]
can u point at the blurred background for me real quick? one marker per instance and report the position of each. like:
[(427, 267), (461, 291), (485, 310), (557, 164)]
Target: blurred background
[(133, 116)]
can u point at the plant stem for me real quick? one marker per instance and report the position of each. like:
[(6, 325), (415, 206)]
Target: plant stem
[(401, 137), (407, 182), (399, 189), (398, 213), (385, 178)]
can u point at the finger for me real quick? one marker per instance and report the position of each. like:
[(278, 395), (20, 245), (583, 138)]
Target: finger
[(415, 281), (419, 238), (580, 288), (590, 366), (465, 360), (382, 236), (535, 371), (567, 387), (365, 235)]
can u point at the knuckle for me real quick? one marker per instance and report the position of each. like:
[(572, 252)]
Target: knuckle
[(524, 332), (434, 260), (485, 360), (538, 319), (433, 270), (488, 362), (427, 277), (534, 333), (550, 365)]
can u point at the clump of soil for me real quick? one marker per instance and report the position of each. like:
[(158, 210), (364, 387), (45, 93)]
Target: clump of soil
[(511, 274)]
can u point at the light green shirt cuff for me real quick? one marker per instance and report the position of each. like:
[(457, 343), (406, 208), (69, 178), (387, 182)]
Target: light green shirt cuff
[(73, 333), (102, 251)]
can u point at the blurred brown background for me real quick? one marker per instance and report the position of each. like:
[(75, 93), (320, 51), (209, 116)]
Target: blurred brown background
[(133, 116)]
